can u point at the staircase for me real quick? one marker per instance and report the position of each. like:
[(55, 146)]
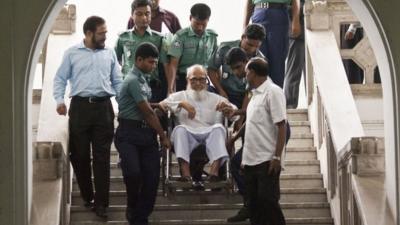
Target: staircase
[(303, 197)]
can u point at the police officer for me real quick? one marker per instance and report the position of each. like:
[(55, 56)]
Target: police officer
[(129, 40), (136, 137), (227, 84), (273, 15), (192, 45)]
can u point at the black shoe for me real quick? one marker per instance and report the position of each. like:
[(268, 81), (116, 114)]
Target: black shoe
[(198, 185), (88, 204), (100, 211), (241, 216)]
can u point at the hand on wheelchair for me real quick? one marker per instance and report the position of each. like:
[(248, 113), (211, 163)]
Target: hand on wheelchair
[(165, 142), (225, 108)]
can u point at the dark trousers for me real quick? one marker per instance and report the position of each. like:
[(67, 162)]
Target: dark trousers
[(263, 193), (275, 45), (295, 67), (91, 125), (140, 164), (159, 87), (181, 82), (237, 173)]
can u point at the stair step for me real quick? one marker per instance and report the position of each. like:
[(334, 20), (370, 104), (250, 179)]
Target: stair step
[(297, 115), (292, 221), (300, 141), (301, 155), (288, 195), (200, 211), (292, 153), (291, 166), (286, 181)]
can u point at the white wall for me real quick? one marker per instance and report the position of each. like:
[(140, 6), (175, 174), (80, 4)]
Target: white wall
[(226, 15)]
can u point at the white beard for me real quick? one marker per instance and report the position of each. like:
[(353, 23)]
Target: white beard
[(197, 95)]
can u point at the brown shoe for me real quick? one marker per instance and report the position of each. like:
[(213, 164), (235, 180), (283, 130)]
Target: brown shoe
[(185, 179)]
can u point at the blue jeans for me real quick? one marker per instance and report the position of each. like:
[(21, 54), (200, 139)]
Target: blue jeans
[(275, 45), (140, 164)]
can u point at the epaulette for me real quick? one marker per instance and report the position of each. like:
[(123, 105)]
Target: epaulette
[(182, 31), (211, 31)]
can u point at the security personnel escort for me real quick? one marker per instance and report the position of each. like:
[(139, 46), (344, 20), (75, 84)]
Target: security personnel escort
[(192, 45), (129, 40), (228, 84), (136, 137)]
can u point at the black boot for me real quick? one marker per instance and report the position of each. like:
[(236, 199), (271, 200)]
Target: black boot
[(241, 216)]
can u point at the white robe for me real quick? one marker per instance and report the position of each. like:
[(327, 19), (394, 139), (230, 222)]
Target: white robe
[(207, 119)]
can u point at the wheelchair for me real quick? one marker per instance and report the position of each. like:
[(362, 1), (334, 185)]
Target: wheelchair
[(170, 173)]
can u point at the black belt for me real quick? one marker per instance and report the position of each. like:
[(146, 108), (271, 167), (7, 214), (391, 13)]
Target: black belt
[(133, 123), (272, 5), (92, 99)]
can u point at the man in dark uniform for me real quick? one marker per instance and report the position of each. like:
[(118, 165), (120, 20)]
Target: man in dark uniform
[(227, 84), (272, 14), (191, 45), (94, 76), (136, 137)]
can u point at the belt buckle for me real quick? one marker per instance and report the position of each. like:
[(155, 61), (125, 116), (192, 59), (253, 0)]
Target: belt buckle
[(90, 100), (265, 5)]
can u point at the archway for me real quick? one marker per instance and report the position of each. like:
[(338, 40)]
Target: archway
[(19, 211)]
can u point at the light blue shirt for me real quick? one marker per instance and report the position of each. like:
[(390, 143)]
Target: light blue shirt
[(91, 73)]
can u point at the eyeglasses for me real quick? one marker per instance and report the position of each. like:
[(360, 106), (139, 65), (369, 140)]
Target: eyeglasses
[(198, 79)]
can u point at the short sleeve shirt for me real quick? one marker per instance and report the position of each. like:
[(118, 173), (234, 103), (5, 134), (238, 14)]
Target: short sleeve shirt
[(266, 108), (192, 49), (135, 89), (128, 42)]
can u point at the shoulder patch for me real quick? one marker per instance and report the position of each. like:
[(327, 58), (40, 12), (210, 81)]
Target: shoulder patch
[(182, 31), (124, 32), (177, 44), (213, 32)]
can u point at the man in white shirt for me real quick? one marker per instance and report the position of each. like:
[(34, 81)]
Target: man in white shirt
[(199, 115), (264, 142)]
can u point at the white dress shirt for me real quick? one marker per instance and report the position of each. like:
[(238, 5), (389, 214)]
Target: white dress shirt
[(267, 107)]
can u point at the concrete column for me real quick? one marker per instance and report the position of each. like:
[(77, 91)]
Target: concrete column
[(21, 22)]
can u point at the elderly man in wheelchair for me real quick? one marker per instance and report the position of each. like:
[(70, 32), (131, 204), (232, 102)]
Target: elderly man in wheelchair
[(199, 116)]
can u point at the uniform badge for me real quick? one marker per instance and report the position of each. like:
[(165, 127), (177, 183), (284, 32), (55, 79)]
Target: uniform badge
[(225, 75), (177, 44)]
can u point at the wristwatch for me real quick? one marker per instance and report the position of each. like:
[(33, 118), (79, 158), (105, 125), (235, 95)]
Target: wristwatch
[(276, 158)]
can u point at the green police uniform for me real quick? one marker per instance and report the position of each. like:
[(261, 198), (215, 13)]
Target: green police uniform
[(234, 86), (128, 42), (134, 90), (192, 49)]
